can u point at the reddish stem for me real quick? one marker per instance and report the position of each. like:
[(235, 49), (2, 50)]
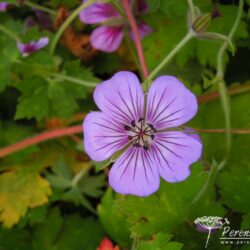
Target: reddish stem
[(48, 135), (137, 38), (44, 136), (234, 90), (221, 130)]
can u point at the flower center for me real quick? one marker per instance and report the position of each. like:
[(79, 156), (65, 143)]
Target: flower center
[(141, 133), (30, 48)]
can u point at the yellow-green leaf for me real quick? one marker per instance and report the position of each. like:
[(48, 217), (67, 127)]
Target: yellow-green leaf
[(20, 189)]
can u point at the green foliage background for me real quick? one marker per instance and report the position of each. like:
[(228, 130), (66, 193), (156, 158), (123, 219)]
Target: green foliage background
[(52, 196)]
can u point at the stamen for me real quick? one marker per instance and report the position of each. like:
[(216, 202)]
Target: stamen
[(141, 133), (127, 127), (152, 127)]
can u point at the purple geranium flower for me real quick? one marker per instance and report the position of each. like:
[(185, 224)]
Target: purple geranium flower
[(109, 35), (144, 131), (4, 6), (32, 46)]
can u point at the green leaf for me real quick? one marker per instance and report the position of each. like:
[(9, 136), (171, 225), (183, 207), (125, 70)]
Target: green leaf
[(170, 29), (70, 232), (164, 210), (75, 188), (21, 188), (173, 9), (10, 133), (112, 218), (159, 241), (14, 239), (153, 5), (8, 53), (233, 185), (46, 234), (34, 99), (245, 221)]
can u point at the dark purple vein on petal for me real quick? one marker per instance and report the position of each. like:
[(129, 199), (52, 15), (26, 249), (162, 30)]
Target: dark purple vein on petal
[(121, 113), (109, 144), (171, 151), (138, 151), (125, 169), (133, 118), (166, 107), (130, 93), (158, 103), (107, 127), (165, 117), (156, 148)]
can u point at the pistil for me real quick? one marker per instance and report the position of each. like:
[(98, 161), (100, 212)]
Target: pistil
[(141, 133)]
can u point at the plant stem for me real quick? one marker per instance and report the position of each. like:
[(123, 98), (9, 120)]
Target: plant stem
[(68, 21), (39, 7), (191, 8), (234, 90), (137, 38), (224, 96), (220, 70), (44, 136), (48, 135), (74, 80), (221, 130), (208, 237), (132, 49), (173, 52), (9, 32)]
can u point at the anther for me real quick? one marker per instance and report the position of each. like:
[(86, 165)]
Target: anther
[(133, 123), (152, 137), (130, 137), (145, 147), (141, 119), (138, 145), (152, 127), (127, 127)]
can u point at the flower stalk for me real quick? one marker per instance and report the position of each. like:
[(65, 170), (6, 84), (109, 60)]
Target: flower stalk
[(137, 38), (224, 96), (39, 7), (9, 33), (167, 59)]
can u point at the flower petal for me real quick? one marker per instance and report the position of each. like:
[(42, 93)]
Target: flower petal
[(107, 38), (175, 151), (121, 97), (170, 103), (191, 132), (102, 136), (42, 42), (135, 172), (144, 30), (98, 12), (32, 46), (4, 6)]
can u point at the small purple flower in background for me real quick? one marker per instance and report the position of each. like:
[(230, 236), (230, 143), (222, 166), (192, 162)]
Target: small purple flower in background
[(32, 46), (153, 147), (3, 6), (109, 35), (42, 19)]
